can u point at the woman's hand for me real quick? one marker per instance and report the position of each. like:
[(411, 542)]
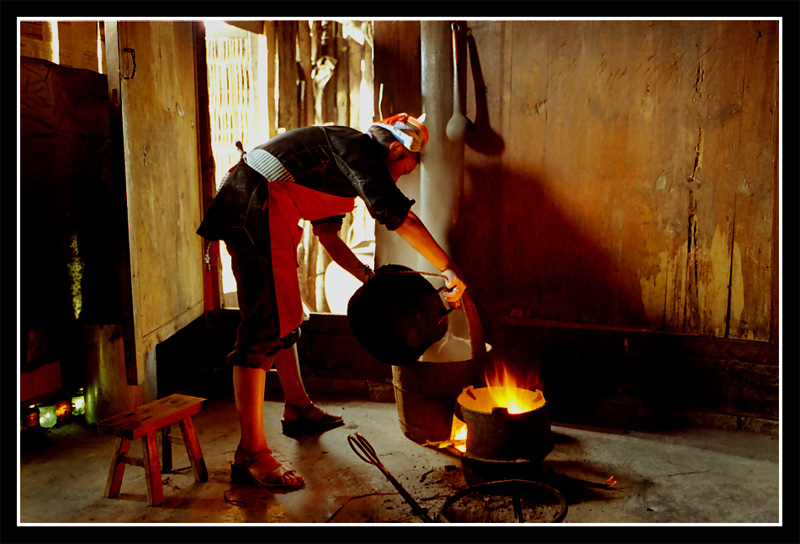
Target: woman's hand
[(414, 232), (455, 287)]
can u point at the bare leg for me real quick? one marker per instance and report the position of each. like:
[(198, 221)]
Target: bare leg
[(297, 404), (248, 388), (288, 366)]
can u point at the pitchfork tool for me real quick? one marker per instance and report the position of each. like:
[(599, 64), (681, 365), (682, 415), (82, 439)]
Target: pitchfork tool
[(366, 452)]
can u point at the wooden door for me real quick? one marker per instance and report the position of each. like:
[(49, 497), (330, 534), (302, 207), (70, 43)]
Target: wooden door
[(156, 97)]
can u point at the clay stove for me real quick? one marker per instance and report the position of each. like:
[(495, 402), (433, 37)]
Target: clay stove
[(507, 431)]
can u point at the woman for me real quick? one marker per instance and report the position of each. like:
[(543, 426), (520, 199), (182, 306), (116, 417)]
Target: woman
[(311, 173)]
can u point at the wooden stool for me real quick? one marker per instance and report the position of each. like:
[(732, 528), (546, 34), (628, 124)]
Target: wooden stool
[(143, 422)]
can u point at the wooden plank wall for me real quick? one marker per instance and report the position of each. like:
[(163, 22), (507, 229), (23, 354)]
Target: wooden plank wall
[(638, 184), (76, 43)]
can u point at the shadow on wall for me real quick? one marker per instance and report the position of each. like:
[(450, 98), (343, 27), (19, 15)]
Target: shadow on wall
[(193, 360), (528, 259), (525, 258), (599, 360), (481, 137)]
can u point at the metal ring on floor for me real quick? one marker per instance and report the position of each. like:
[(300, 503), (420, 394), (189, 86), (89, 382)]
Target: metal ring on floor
[(525, 497)]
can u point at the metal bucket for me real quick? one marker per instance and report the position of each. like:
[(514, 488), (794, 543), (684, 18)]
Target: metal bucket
[(426, 392)]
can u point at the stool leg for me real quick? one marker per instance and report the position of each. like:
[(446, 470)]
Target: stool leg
[(152, 469), (166, 449), (193, 450), (117, 469)]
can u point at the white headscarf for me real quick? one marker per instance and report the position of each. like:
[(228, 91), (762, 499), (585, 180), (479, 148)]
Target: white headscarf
[(409, 130)]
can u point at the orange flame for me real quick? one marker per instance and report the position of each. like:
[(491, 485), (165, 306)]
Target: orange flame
[(459, 435), (506, 390)]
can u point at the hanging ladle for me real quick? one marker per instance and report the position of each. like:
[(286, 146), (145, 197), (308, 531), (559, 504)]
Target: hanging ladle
[(459, 125), (478, 135)]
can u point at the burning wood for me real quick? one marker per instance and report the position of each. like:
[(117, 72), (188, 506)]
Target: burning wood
[(458, 437)]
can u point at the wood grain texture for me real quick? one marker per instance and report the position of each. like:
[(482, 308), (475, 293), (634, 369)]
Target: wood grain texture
[(162, 170), (637, 185)]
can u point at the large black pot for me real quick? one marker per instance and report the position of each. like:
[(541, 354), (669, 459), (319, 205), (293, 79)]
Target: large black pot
[(397, 315)]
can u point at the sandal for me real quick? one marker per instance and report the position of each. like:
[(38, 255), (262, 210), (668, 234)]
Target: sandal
[(310, 419), (242, 472)]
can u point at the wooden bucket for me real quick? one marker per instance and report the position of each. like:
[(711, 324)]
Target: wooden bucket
[(426, 392)]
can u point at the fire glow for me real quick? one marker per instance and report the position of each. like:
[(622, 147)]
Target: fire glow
[(506, 391), (503, 390), (459, 436)]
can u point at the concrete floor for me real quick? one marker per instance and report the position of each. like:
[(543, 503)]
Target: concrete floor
[(684, 476)]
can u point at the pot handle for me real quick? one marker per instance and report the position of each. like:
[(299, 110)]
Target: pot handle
[(477, 342)]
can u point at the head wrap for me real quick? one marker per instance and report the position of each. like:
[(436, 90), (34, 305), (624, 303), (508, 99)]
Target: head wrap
[(409, 130)]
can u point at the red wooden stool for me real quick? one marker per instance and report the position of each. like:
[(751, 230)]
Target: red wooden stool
[(143, 422)]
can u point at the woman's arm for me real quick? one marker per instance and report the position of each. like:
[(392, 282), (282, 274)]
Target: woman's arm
[(343, 255), (416, 234)]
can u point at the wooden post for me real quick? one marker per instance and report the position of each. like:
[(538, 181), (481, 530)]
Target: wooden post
[(342, 77), (306, 64), (132, 374), (327, 48), (212, 280), (286, 33), (355, 56), (272, 73)]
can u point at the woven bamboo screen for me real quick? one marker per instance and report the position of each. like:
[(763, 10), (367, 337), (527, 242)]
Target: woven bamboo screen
[(229, 83)]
